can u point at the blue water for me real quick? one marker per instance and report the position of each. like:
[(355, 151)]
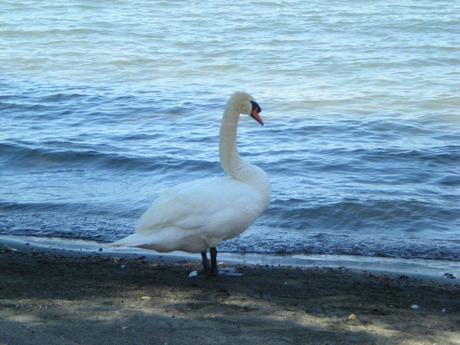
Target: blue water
[(104, 103)]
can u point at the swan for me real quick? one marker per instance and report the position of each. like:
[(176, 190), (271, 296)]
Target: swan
[(196, 216)]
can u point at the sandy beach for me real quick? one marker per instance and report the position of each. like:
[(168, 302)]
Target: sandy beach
[(51, 299)]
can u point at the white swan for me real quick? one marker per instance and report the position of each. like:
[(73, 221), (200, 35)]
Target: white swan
[(197, 215)]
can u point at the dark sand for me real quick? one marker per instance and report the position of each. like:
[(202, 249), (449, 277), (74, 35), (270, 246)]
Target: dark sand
[(51, 299)]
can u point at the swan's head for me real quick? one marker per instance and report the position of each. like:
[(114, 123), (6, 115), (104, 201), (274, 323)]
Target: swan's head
[(245, 104)]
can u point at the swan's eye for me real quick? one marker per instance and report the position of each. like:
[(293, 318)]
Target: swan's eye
[(255, 107)]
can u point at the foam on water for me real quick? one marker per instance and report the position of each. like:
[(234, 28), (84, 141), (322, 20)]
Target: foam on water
[(102, 106)]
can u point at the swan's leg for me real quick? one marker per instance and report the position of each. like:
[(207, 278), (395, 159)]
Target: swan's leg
[(213, 251), (204, 258)]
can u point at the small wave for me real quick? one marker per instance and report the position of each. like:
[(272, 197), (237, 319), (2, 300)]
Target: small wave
[(357, 215), (438, 155), (53, 32), (372, 164), (62, 97), (336, 244), (22, 156), (42, 206), (441, 155), (450, 180)]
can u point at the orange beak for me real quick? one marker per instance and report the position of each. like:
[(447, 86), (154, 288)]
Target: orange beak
[(256, 109), (255, 115)]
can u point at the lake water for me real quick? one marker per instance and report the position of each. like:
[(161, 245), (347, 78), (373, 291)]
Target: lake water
[(104, 103)]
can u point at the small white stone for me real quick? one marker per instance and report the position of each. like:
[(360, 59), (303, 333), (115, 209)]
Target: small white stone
[(415, 306), (193, 274)]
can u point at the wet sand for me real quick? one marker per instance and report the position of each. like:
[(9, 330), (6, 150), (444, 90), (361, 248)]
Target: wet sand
[(51, 299)]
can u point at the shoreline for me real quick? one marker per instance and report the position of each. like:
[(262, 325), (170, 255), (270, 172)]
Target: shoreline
[(436, 271), (52, 298)]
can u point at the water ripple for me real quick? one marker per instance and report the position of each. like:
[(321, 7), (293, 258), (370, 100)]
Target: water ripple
[(102, 106)]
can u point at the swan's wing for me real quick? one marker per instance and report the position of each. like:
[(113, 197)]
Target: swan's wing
[(206, 205)]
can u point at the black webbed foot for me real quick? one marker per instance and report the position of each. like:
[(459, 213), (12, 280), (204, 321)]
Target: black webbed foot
[(213, 272), (205, 262)]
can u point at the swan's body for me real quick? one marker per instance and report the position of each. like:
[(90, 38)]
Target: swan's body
[(197, 215)]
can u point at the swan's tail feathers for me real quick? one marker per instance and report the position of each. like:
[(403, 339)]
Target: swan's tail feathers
[(133, 240)]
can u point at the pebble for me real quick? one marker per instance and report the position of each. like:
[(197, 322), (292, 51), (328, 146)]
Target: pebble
[(415, 306), (352, 317)]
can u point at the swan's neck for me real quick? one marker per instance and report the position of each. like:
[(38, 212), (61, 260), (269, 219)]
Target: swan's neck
[(230, 159), (228, 152)]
